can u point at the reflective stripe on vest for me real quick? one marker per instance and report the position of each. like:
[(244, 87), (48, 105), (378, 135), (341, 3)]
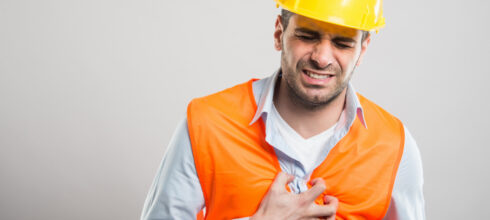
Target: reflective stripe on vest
[(236, 166)]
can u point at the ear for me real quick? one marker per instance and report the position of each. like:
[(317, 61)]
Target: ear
[(364, 46), (278, 34)]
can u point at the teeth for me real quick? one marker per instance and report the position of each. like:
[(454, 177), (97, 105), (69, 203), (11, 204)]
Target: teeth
[(316, 76)]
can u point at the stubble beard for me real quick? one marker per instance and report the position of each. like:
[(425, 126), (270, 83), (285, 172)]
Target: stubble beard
[(303, 100)]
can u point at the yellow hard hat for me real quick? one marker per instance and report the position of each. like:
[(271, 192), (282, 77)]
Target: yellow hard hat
[(364, 15)]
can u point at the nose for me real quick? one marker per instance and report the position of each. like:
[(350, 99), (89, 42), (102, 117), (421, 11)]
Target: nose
[(322, 55)]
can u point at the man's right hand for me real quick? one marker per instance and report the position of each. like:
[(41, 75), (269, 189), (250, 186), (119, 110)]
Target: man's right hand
[(278, 203)]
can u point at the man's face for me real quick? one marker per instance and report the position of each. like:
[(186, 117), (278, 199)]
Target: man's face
[(317, 58)]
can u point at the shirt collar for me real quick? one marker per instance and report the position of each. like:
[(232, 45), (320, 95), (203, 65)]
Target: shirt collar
[(264, 105)]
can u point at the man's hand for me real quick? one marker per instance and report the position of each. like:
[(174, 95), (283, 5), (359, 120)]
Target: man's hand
[(278, 203)]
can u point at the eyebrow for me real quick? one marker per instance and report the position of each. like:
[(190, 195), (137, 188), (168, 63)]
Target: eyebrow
[(306, 31), (316, 33), (345, 39)]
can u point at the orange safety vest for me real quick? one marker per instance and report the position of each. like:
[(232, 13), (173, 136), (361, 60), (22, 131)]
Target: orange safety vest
[(236, 166)]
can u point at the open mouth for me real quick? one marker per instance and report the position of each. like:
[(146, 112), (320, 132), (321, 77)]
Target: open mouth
[(317, 75)]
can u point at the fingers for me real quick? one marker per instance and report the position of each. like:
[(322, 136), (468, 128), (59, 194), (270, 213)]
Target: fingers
[(322, 210), (331, 200), (281, 180), (316, 190), (317, 181), (328, 210)]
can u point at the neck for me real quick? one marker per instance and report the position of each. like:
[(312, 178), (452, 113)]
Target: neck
[(305, 120)]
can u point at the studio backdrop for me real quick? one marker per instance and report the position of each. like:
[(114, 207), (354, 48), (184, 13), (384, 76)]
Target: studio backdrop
[(91, 92)]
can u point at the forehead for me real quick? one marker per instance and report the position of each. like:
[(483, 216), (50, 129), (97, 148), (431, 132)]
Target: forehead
[(299, 21)]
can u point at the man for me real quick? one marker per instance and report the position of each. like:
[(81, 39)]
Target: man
[(345, 157)]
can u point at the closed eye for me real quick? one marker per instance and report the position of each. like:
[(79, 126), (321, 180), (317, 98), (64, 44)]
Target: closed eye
[(305, 37), (306, 34), (342, 45), (343, 42)]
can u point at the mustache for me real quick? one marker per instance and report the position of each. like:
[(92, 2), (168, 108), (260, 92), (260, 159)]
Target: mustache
[(313, 65)]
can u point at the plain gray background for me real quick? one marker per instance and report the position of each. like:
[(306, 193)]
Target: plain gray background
[(91, 91)]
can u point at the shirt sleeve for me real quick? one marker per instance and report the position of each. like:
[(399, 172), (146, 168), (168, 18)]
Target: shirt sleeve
[(176, 192), (407, 198)]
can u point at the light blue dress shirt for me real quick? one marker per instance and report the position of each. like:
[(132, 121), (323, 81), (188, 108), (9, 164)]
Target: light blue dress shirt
[(176, 192)]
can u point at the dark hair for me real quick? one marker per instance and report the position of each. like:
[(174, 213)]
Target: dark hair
[(286, 15)]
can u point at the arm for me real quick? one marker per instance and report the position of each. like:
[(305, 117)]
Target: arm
[(176, 192), (407, 199)]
